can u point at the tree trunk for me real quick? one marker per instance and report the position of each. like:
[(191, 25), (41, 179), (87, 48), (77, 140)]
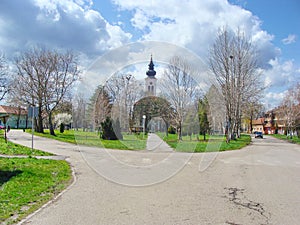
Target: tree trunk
[(39, 127), (167, 127), (179, 132), (228, 131), (51, 124), (251, 125)]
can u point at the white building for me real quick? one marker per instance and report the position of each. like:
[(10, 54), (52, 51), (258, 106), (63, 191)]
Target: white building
[(150, 80)]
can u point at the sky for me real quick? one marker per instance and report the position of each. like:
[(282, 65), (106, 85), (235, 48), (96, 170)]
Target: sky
[(93, 28)]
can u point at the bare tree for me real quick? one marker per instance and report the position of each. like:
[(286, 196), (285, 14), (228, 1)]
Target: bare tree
[(290, 108), (180, 89), (124, 90), (79, 109), (4, 80), (233, 62), (60, 77), (216, 110), (100, 107), (250, 112), (44, 78)]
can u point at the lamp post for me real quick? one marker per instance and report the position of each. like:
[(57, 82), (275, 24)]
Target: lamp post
[(144, 123)]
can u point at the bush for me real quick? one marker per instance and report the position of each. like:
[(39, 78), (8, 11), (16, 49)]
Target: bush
[(108, 131), (62, 128), (171, 130)]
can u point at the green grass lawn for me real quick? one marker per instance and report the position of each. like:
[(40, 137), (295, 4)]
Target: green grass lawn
[(295, 139), (28, 183), (129, 142), (137, 142), (10, 148), (213, 143)]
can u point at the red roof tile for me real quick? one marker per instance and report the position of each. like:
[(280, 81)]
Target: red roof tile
[(12, 110)]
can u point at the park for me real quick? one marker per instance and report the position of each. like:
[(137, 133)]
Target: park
[(148, 132), (148, 186)]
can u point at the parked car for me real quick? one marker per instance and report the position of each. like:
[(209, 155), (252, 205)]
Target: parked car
[(258, 134)]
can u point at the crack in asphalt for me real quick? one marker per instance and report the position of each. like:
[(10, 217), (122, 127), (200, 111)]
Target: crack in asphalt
[(238, 197), (232, 223)]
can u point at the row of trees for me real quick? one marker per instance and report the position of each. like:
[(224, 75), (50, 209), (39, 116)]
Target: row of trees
[(122, 98), (236, 93), (43, 79)]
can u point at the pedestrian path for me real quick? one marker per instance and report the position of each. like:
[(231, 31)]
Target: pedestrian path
[(54, 157), (156, 144)]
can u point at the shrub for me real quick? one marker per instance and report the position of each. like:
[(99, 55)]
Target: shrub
[(62, 128), (111, 131), (171, 130)]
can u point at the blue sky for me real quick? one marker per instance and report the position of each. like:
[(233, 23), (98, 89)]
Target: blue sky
[(281, 19), (92, 28)]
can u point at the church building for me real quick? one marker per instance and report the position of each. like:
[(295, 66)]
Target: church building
[(150, 80)]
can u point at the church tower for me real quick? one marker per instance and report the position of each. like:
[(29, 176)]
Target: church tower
[(150, 80)]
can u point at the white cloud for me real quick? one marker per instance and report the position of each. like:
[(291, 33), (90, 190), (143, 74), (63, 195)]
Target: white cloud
[(281, 74), (289, 39), (194, 24), (64, 24), (273, 99), (277, 79), (139, 19), (74, 24)]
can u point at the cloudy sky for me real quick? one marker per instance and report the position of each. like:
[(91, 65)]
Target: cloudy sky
[(92, 28)]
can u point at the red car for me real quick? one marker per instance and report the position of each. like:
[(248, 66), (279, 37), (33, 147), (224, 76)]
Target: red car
[(2, 127)]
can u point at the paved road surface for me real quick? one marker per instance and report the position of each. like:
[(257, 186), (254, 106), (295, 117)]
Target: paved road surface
[(257, 185)]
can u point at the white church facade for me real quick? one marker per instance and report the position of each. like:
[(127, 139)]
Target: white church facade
[(150, 80)]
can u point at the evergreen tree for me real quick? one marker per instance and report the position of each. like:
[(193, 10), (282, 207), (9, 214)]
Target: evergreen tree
[(111, 130), (203, 120)]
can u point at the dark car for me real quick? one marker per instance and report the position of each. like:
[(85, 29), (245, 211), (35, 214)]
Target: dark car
[(258, 134)]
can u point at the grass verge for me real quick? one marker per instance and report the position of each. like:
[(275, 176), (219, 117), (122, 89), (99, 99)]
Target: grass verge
[(212, 144), (294, 140), (10, 148), (129, 142), (28, 183)]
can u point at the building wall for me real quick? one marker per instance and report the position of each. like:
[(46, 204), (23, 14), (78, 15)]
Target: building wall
[(150, 86), (13, 122)]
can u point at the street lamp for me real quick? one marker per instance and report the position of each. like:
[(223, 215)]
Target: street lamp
[(144, 123)]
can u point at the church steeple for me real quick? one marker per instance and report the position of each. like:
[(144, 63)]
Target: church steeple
[(151, 72), (150, 80)]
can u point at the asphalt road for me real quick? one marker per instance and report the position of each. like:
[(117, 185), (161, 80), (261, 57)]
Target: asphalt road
[(257, 185)]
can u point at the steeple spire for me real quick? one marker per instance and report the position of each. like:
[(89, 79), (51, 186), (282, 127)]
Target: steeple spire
[(151, 72)]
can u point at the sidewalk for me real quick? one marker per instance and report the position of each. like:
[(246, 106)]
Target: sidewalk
[(156, 144)]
